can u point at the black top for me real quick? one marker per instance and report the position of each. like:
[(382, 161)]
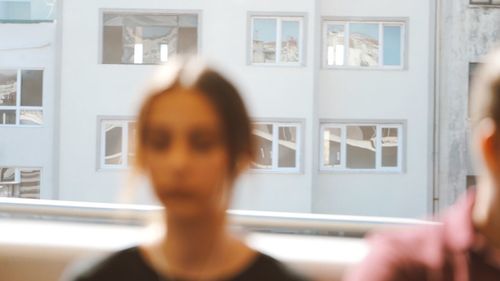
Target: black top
[(128, 265)]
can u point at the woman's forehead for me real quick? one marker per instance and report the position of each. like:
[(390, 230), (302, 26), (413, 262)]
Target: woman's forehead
[(183, 107)]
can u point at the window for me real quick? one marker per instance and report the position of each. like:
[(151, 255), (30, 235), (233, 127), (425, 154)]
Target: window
[(20, 182), (485, 2), (361, 147), (276, 40), (117, 139), (277, 146), (473, 66), (27, 10), (21, 97), (360, 44), (147, 38)]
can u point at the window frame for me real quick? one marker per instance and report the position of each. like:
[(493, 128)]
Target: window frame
[(101, 142), (379, 169), (172, 12), (382, 22), (18, 107), (279, 17), (490, 4), (277, 123)]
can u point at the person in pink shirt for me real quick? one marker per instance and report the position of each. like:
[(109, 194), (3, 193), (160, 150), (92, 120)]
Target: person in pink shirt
[(467, 244)]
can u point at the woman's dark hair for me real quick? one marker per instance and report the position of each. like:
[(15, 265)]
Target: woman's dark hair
[(192, 73)]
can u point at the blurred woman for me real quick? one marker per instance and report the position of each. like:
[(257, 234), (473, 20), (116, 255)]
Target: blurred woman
[(194, 139), (467, 245)]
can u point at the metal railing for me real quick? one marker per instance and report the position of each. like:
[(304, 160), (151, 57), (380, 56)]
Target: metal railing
[(301, 223)]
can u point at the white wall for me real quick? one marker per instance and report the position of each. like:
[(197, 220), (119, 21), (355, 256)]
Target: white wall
[(384, 95), (31, 46), (90, 89)]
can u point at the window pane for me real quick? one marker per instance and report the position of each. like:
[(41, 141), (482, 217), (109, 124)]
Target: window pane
[(27, 10), (113, 144), (31, 117), (392, 45), (331, 147), (131, 142), (363, 44), (335, 44), (361, 141), (30, 184), (8, 87), (264, 41), (7, 175), (7, 117), (290, 41), (287, 150), (26, 186), (147, 39), (31, 87), (264, 137), (390, 143)]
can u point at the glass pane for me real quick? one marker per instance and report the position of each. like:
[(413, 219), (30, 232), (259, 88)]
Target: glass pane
[(392, 45), (31, 117), (142, 44), (34, 10), (264, 137), (390, 143), (335, 44), (7, 117), (31, 87), (361, 142), (113, 144), (287, 147), (290, 41), (7, 175), (8, 87), (30, 184), (131, 142), (332, 139), (363, 44), (264, 41)]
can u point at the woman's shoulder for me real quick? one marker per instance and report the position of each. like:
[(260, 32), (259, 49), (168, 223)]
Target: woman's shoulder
[(123, 265), (266, 267)]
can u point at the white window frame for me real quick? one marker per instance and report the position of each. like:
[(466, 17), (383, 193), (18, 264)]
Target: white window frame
[(18, 107), (101, 154), (403, 23), (487, 3), (279, 19), (275, 147), (378, 152), (103, 11)]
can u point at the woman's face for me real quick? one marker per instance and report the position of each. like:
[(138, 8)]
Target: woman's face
[(185, 153)]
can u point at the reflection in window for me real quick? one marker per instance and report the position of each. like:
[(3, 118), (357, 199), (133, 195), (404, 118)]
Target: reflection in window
[(264, 135), (21, 97), (335, 44), (363, 44), (20, 182), (287, 147), (117, 149), (331, 147), (361, 147), (485, 2), (276, 40), (369, 44), (390, 143), (277, 145), (147, 38)]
